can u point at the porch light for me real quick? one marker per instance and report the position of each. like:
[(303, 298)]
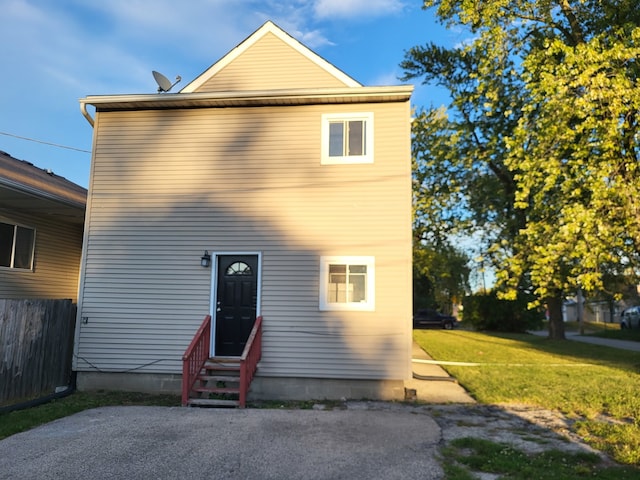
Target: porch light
[(205, 261)]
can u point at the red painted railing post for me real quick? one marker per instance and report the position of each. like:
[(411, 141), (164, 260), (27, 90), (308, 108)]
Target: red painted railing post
[(194, 357), (249, 360)]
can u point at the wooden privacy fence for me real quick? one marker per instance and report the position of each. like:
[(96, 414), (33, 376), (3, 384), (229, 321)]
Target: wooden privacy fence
[(36, 345)]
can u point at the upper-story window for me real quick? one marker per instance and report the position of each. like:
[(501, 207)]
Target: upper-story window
[(16, 246), (347, 138)]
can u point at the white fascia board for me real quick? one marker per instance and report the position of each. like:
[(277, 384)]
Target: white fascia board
[(283, 97)]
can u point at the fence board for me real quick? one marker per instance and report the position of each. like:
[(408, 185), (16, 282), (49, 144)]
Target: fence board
[(36, 344)]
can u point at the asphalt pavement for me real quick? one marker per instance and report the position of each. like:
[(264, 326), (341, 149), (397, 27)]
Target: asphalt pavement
[(607, 342), (362, 441), (357, 440)]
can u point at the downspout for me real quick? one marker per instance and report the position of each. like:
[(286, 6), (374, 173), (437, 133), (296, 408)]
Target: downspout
[(83, 109), (68, 390)]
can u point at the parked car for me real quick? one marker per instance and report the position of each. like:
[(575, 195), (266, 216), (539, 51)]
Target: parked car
[(630, 317), (431, 318)]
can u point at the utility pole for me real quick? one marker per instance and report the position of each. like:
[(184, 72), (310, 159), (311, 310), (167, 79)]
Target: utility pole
[(580, 311)]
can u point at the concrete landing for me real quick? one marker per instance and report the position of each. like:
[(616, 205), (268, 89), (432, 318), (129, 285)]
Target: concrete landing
[(437, 386)]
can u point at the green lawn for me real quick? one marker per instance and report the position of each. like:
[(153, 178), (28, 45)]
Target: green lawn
[(21, 420), (604, 330), (596, 385), (618, 334)]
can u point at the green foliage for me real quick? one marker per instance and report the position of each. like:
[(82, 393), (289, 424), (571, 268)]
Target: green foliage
[(596, 385), (538, 153), (488, 312), (440, 276), (576, 157)]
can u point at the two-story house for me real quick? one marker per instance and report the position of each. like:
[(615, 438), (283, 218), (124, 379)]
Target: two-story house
[(273, 185)]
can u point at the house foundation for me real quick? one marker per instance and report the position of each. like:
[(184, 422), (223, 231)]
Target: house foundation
[(275, 388), (130, 382), (262, 388)]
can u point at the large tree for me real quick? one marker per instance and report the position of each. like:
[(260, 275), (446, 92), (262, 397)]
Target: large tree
[(440, 276), (539, 147)]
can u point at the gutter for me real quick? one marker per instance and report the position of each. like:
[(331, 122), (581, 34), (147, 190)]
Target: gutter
[(85, 113), (247, 98), (17, 186)]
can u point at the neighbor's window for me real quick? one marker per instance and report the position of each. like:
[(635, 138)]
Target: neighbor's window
[(347, 138), (16, 246), (347, 283)]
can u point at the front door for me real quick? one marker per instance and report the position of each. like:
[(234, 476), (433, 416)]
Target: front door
[(236, 295)]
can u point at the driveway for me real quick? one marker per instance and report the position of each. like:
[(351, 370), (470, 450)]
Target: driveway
[(190, 443)]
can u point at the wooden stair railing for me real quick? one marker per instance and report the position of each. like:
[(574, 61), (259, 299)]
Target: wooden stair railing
[(195, 357), (220, 381), (249, 360)]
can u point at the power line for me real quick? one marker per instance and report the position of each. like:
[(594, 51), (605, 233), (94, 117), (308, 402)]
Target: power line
[(45, 143)]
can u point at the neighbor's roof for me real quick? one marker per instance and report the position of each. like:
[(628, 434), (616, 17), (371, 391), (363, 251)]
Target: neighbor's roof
[(24, 186)]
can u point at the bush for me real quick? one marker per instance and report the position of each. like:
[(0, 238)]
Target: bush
[(487, 312)]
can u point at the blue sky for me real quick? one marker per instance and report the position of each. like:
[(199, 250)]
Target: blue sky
[(56, 51)]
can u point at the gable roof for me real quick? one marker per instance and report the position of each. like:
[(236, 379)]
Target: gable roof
[(295, 52), (25, 187), (278, 86)]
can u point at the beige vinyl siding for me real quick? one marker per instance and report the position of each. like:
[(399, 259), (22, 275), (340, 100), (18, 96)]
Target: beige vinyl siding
[(169, 184), (270, 64), (56, 263)]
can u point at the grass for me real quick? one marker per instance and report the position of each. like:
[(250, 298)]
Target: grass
[(21, 420), (596, 386), (604, 330), (494, 458)]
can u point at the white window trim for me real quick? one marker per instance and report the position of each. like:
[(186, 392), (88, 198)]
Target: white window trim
[(369, 304), (325, 159), (33, 247)]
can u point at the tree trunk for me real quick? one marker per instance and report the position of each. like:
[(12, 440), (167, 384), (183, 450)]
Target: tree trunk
[(556, 324)]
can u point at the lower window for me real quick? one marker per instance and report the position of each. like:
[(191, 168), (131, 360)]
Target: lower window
[(347, 283), (16, 246)]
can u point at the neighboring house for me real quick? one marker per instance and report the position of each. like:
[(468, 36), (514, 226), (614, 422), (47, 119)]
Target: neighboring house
[(596, 309), (41, 223), (296, 179)]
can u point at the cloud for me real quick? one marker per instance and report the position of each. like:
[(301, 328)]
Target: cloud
[(205, 28), (386, 78), (356, 8), (82, 48)]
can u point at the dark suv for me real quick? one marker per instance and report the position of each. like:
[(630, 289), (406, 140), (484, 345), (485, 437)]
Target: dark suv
[(431, 318)]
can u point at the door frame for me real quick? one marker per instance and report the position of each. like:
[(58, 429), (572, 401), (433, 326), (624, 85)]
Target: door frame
[(213, 300)]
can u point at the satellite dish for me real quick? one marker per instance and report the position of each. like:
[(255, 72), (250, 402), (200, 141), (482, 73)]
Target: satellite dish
[(164, 84)]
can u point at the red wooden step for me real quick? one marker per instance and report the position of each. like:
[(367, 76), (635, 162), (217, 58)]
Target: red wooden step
[(218, 378), (207, 402), (216, 390)]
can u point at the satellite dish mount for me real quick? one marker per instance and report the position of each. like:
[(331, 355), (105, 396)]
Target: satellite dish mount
[(164, 84)]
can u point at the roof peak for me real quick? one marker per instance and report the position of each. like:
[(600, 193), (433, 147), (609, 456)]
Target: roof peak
[(269, 27)]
